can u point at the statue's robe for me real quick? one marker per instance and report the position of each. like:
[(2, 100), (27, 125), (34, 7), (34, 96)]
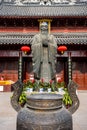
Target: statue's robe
[(40, 42)]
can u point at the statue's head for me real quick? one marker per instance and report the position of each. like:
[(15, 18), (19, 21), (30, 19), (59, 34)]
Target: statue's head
[(44, 27)]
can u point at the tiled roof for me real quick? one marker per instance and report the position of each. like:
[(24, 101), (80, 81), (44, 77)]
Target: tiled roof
[(71, 38), (66, 38), (43, 11)]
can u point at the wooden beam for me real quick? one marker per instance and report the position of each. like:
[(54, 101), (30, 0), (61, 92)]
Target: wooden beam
[(74, 54), (14, 53)]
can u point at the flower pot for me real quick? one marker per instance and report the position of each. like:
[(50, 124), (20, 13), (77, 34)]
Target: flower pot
[(60, 89), (30, 90), (41, 90), (49, 90)]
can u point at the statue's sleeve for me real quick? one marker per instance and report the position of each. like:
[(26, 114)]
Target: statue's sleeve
[(36, 53), (52, 49), (36, 48)]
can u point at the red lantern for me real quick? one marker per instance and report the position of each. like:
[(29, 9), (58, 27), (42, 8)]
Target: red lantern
[(62, 49), (25, 49)]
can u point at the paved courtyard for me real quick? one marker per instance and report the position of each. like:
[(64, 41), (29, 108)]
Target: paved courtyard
[(8, 115)]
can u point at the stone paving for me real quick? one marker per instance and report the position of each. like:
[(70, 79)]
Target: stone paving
[(8, 115)]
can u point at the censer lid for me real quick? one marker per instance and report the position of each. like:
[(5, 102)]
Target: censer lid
[(44, 96), (44, 101)]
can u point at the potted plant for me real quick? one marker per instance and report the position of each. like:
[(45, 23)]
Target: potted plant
[(60, 85), (41, 85), (28, 85), (51, 86)]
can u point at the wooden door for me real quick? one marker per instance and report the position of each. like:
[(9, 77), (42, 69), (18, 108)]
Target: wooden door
[(79, 72), (61, 68), (9, 68)]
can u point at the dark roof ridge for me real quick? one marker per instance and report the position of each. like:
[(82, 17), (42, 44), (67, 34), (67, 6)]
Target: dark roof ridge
[(33, 33), (37, 5), (42, 11)]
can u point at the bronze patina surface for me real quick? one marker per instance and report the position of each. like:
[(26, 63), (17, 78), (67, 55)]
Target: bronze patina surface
[(44, 112)]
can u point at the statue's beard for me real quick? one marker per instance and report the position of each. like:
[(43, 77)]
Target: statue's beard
[(44, 32)]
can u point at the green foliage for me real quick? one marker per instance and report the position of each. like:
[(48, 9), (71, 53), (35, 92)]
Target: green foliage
[(36, 85), (60, 84), (31, 84), (44, 85), (53, 87), (28, 84), (22, 98), (67, 99)]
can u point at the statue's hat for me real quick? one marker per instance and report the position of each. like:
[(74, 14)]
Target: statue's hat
[(44, 24)]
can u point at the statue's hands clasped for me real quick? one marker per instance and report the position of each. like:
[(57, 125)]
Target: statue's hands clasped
[(45, 42)]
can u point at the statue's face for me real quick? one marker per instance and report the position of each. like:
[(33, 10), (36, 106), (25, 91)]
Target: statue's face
[(44, 27)]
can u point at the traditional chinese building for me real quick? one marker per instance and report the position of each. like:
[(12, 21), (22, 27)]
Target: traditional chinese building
[(20, 21)]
